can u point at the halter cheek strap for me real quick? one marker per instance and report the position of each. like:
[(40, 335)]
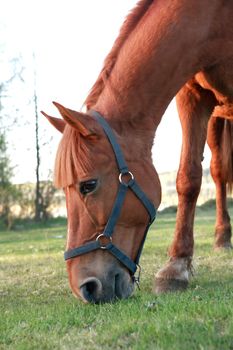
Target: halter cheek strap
[(124, 186)]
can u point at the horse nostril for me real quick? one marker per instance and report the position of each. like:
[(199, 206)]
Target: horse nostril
[(91, 290)]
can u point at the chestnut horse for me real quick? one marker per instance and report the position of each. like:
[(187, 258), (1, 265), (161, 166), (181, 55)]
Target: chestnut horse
[(165, 48)]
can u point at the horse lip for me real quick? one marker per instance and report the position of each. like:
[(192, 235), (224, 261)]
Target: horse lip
[(123, 291)]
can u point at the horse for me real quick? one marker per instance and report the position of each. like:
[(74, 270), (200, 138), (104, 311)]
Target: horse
[(165, 49)]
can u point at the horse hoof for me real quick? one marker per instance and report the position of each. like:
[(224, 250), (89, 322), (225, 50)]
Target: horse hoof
[(223, 246), (174, 276), (169, 285)]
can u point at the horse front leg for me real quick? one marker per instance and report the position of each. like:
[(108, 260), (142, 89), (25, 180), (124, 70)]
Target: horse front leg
[(195, 106), (219, 131)]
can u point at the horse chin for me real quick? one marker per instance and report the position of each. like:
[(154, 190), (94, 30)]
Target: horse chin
[(113, 285)]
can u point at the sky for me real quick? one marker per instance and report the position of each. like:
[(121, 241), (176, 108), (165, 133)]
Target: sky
[(70, 39)]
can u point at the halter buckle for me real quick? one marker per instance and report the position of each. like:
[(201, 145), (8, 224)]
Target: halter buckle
[(102, 244), (129, 182)]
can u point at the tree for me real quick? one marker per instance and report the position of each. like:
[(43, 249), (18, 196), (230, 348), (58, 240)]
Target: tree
[(51, 199), (8, 118), (44, 191), (48, 192), (8, 193), (39, 196)]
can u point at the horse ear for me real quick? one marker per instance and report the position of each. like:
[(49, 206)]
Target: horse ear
[(80, 121), (58, 123)]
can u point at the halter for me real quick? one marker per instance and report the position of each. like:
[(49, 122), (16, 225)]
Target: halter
[(124, 186)]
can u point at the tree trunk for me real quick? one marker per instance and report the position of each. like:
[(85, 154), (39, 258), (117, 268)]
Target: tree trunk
[(38, 199)]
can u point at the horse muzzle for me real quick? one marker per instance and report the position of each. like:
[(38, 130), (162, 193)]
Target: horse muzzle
[(106, 288)]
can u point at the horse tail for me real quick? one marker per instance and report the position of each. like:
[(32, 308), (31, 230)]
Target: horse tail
[(227, 153)]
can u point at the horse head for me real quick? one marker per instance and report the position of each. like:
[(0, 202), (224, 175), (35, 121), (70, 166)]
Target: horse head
[(87, 170)]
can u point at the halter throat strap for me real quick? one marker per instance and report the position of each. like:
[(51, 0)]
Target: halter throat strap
[(124, 186)]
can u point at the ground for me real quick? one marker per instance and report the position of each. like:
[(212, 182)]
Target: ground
[(38, 310)]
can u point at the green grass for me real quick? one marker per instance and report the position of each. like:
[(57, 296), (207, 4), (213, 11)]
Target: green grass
[(38, 311)]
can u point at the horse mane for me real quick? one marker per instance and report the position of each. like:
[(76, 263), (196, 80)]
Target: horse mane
[(129, 24), (72, 156)]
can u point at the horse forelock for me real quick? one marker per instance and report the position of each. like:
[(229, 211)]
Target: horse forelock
[(72, 157), (128, 26)]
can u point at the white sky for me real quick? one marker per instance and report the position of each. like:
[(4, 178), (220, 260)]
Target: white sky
[(70, 39)]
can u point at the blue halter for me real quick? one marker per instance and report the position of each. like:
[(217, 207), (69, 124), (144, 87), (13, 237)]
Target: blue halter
[(106, 235)]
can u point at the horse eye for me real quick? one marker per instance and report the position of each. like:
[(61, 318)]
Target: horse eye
[(87, 186)]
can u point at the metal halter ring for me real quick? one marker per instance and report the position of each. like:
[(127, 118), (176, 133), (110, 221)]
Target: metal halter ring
[(102, 246), (124, 174)]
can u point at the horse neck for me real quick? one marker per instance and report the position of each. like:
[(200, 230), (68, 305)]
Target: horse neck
[(166, 48)]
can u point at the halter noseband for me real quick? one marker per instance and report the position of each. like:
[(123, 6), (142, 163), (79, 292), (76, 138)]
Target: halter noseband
[(115, 213)]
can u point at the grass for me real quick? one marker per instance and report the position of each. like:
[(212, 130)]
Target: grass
[(38, 311)]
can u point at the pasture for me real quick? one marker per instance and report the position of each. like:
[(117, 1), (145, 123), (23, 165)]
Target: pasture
[(38, 310)]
